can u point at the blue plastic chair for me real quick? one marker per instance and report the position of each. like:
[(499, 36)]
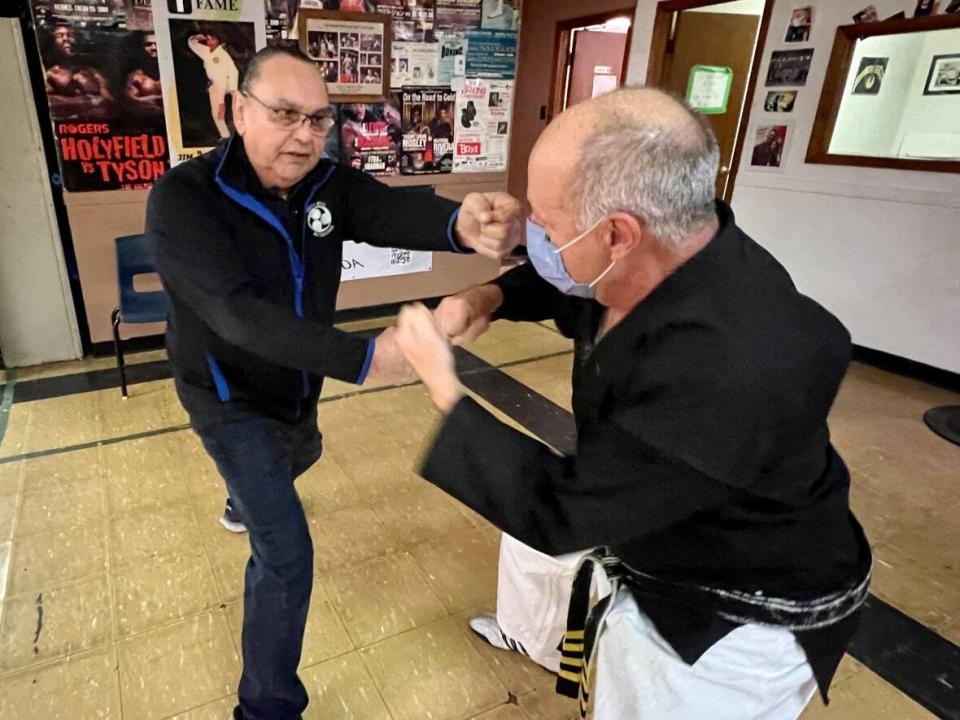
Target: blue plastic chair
[(135, 307)]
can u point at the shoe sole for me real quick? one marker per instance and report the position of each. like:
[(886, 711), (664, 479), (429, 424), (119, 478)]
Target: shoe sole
[(233, 526)]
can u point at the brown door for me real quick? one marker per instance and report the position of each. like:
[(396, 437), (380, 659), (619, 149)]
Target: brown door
[(597, 64), (723, 39)]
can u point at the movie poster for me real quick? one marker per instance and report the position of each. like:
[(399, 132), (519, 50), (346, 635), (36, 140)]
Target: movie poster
[(427, 144), (203, 55), (104, 93), (458, 16), (414, 64), (482, 129), (412, 19), (370, 137)]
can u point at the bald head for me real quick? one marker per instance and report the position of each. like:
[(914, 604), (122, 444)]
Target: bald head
[(636, 150)]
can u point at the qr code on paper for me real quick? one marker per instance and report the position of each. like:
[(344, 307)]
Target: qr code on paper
[(400, 257)]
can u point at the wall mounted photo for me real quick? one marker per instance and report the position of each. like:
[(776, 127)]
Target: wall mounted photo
[(353, 50), (780, 101), (925, 7), (867, 15), (413, 20), (769, 146), (953, 7), (870, 76), (799, 28), (789, 67), (944, 75)]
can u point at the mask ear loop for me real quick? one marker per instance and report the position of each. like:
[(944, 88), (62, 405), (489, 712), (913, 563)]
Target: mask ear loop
[(581, 236)]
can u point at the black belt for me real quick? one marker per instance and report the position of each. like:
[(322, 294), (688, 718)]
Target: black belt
[(584, 623)]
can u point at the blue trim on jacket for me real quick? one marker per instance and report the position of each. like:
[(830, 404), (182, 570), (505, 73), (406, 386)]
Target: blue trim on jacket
[(219, 381)]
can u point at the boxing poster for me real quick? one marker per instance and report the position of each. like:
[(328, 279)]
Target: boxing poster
[(414, 64), (451, 66), (205, 46), (491, 54), (482, 128), (370, 137), (103, 89), (413, 20), (427, 143)]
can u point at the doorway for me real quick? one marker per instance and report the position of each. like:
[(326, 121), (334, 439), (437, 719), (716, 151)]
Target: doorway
[(716, 34), (591, 58)]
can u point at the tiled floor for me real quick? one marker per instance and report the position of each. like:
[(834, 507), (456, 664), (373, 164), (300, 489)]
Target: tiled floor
[(122, 594)]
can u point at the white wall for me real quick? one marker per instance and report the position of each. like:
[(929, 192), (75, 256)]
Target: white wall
[(879, 248), (736, 7), (37, 320)]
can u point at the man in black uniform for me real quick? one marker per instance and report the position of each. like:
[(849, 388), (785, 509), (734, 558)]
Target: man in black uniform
[(701, 387), (248, 242)]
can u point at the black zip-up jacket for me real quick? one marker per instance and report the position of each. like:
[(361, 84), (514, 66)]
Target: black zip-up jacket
[(253, 278)]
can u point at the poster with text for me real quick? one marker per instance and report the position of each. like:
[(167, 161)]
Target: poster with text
[(452, 64), (491, 54), (205, 46), (482, 129), (103, 89), (413, 20), (458, 15), (414, 64), (370, 137), (427, 144), (362, 261)]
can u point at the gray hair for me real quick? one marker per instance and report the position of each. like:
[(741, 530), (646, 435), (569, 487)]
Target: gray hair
[(662, 174), (252, 71)]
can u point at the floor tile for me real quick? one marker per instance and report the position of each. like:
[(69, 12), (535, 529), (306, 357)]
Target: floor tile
[(228, 553), (509, 711), (442, 676), (510, 342), (865, 696), (143, 474), (44, 473), (54, 558), (221, 709), (349, 537), (147, 408), (8, 513), (77, 503), (545, 704), (10, 477), (327, 488), (61, 422), (54, 623), (900, 581), (342, 689), (16, 439), (81, 687), (382, 597), (177, 667), (420, 515), (461, 569), (550, 377), (140, 535), (153, 592)]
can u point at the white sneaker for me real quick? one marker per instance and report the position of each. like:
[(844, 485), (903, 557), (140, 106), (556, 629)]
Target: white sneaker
[(231, 519), (487, 627)]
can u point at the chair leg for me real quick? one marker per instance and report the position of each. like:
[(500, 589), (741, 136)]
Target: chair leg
[(118, 350)]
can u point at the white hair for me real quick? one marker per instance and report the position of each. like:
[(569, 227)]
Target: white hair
[(662, 174)]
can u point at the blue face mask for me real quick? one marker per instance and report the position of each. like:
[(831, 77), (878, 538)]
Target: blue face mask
[(548, 262)]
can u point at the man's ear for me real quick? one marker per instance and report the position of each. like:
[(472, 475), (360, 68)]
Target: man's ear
[(240, 110), (626, 233)]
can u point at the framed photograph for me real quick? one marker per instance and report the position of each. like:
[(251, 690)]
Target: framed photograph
[(870, 76), (944, 75), (867, 15), (352, 49), (799, 28), (769, 147), (925, 8), (789, 67), (781, 101)]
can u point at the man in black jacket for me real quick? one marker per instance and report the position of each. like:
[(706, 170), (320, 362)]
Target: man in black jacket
[(703, 470), (248, 242)]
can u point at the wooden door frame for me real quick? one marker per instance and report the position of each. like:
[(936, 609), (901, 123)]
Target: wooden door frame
[(659, 42), (561, 52)]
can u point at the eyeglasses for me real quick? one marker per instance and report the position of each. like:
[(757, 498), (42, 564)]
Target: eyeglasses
[(290, 119)]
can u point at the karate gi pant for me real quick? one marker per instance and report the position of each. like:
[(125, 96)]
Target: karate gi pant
[(218, 96), (754, 672)]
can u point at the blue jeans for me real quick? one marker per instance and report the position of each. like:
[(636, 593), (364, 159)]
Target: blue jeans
[(259, 458)]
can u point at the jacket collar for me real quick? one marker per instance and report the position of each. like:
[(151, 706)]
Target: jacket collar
[(233, 168)]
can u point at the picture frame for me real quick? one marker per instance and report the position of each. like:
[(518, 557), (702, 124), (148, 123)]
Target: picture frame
[(770, 142), (943, 77), (353, 50)]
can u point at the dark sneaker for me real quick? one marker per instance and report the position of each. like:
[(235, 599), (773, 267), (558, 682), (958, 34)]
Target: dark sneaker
[(231, 519)]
